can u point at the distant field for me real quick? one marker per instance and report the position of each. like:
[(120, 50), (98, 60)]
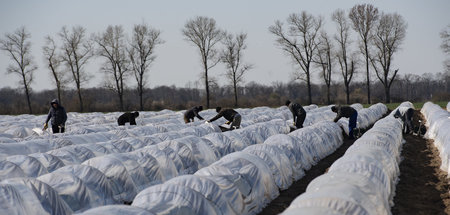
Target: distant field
[(417, 105)]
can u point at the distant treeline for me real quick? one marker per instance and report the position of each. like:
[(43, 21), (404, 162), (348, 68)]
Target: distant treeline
[(427, 87)]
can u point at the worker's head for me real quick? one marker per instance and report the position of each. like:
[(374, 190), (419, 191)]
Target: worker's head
[(334, 109), (54, 103), (136, 114), (218, 109), (200, 108), (287, 102)]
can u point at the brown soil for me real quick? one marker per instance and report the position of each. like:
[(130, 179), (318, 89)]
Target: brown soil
[(423, 188), (287, 196)]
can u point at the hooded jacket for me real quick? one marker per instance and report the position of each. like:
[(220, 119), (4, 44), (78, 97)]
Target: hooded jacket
[(344, 111), (296, 109), (57, 115), (193, 112)]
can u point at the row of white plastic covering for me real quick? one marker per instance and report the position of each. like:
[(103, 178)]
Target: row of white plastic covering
[(244, 182), (448, 106), (366, 117), (438, 123), (118, 177), (80, 133), (362, 181), (241, 178), (85, 186)]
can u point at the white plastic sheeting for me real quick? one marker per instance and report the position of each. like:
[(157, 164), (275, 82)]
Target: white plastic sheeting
[(48, 198), (448, 106), (174, 199), (95, 180), (18, 200), (31, 166), (362, 181), (72, 190), (94, 165), (124, 189), (438, 123), (116, 210)]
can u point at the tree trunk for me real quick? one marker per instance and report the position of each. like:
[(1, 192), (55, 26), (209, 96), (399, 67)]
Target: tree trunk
[(28, 99), (328, 94), (121, 101), (206, 84), (367, 73), (347, 92), (387, 94), (58, 89), (308, 82), (141, 104), (235, 95), (80, 99)]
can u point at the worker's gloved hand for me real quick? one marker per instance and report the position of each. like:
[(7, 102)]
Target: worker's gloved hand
[(293, 123), (45, 126), (60, 126), (228, 122), (207, 121)]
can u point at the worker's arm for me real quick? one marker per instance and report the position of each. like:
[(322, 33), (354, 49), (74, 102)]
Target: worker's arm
[(220, 114), (49, 116), (338, 116), (197, 115)]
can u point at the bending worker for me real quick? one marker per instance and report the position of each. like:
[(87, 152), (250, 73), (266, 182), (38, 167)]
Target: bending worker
[(348, 112), (58, 115), (406, 115), (191, 113), (298, 113), (128, 117), (231, 115)]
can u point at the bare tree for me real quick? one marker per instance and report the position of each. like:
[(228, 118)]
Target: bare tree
[(53, 61), (324, 60), (112, 46), (19, 49), (76, 51), (204, 34), (141, 53), (232, 57), (364, 18), (445, 35), (390, 33), (343, 52), (299, 42)]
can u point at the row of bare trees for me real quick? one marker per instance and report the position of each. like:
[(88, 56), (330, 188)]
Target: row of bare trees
[(303, 38), (309, 45), (409, 87), (122, 57)]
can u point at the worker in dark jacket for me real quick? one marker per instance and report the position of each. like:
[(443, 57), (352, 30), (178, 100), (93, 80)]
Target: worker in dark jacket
[(406, 115), (298, 113), (191, 113), (128, 117), (231, 115), (58, 115), (348, 112)]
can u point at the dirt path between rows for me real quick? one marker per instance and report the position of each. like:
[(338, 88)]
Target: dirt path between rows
[(423, 188), (285, 198)]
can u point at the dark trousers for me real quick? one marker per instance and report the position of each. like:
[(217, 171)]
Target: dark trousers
[(299, 120), (56, 129), (352, 124)]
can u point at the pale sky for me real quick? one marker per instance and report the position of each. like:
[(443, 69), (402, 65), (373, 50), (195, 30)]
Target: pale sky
[(178, 62)]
